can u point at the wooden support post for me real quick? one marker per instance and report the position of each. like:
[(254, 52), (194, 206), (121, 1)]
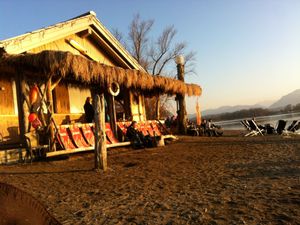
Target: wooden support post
[(50, 127), (157, 107), (112, 114), (127, 104), (100, 137), (22, 107), (182, 123)]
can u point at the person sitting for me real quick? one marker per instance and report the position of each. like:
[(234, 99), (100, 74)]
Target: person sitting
[(213, 130), (203, 128), (168, 122), (136, 138)]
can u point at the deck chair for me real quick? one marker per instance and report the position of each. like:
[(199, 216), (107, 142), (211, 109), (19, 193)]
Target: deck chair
[(297, 128), (88, 134), (122, 127), (245, 124), (110, 137), (269, 129), (292, 126), (158, 130), (142, 128), (251, 132), (77, 137), (64, 138), (280, 126), (122, 130), (155, 128), (149, 129), (255, 130)]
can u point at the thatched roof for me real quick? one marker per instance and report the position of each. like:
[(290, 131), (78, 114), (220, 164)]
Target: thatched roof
[(76, 67)]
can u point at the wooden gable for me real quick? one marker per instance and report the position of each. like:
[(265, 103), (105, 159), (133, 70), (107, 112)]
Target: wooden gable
[(88, 43)]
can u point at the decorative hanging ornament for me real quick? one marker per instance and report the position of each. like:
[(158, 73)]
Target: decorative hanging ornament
[(114, 89), (32, 117), (34, 120), (33, 94)]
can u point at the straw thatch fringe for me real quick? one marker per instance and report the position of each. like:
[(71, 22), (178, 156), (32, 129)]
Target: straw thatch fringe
[(65, 64)]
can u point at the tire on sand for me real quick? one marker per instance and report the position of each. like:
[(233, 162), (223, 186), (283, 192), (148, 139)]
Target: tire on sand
[(19, 207)]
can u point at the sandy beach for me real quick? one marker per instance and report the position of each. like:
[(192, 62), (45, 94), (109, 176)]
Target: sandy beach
[(197, 180)]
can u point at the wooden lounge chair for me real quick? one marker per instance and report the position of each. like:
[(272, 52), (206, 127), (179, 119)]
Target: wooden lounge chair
[(74, 141), (67, 144), (155, 128), (114, 142), (110, 135), (88, 133), (64, 138), (77, 137), (149, 128), (122, 127), (161, 132), (142, 128)]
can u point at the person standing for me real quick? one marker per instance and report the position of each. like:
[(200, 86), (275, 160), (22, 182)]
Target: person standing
[(88, 110)]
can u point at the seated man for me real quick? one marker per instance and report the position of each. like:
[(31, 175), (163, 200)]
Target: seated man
[(136, 138), (213, 130)]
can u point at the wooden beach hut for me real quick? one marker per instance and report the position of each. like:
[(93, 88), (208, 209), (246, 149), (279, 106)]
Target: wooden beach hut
[(51, 72)]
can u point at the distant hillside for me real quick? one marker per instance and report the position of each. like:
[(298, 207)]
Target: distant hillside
[(292, 98), (228, 109)]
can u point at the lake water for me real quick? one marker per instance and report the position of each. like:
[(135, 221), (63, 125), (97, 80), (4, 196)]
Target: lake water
[(236, 125)]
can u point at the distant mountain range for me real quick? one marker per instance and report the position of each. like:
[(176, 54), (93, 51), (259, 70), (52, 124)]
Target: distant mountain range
[(292, 98)]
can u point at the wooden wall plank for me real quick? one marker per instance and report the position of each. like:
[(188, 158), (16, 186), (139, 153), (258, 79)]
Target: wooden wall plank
[(61, 99), (6, 97)]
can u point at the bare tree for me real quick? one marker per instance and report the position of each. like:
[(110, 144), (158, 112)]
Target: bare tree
[(189, 65), (155, 56), (162, 52), (138, 39), (119, 36)]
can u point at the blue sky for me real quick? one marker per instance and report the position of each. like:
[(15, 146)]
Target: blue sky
[(248, 51)]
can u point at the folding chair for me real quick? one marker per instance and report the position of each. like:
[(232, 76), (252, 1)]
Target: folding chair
[(297, 128), (280, 126), (255, 130), (245, 125), (292, 126)]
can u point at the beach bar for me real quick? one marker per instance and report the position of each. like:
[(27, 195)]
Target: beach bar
[(46, 76)]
